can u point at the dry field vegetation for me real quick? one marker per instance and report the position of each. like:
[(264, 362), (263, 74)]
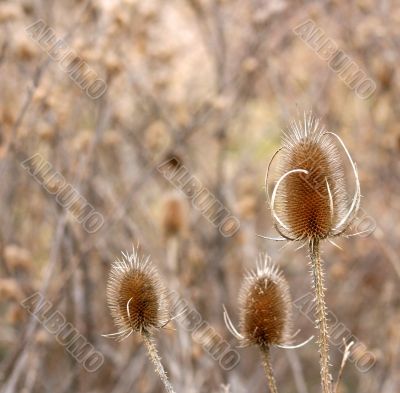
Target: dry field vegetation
[(212, 83)]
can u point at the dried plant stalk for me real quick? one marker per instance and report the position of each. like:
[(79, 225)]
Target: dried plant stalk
[(320, 314), (268, 371), (156, 360)]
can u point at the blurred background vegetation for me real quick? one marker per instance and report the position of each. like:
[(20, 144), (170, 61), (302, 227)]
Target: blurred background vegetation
[(213, 82)]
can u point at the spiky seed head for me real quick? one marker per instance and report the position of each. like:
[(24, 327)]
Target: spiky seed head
[(135, 295), (310, 204), (265, 306)]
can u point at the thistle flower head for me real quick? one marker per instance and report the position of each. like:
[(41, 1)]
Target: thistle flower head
[(309, 201), (265, 307), (136, 296)]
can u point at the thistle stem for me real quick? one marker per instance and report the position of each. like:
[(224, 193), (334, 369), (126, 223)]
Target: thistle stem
[(320, 314), (268, 370), (156, 360)]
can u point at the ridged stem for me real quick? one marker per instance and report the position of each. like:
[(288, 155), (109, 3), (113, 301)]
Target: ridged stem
[(156, 360), (268, 370), (320, 314)]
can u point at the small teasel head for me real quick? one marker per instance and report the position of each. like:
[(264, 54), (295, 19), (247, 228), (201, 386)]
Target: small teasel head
[(136, 296), (265, 307), (310, 201)]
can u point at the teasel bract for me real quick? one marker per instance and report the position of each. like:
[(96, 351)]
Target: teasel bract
[(138, 304), (309, 203), (265, 313)]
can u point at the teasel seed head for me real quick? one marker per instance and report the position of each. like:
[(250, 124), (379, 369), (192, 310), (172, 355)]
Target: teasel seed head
[(265, 308), (310, 201), (136, 296)]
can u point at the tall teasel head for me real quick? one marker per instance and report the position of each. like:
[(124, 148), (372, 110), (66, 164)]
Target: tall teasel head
[(309, 200), (265, 307), (136, 296), (309, 203)]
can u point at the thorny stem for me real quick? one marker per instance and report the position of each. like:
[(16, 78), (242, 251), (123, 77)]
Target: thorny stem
[(320, 314), (156, 360), (268, 370)]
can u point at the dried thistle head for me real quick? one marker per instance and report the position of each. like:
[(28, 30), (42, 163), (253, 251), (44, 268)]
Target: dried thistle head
[(265, 307), (136, 296), (309, 201)]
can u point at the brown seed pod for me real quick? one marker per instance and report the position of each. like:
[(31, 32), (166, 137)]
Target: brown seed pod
[(265, 306), (136, 296), (309, 201)]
